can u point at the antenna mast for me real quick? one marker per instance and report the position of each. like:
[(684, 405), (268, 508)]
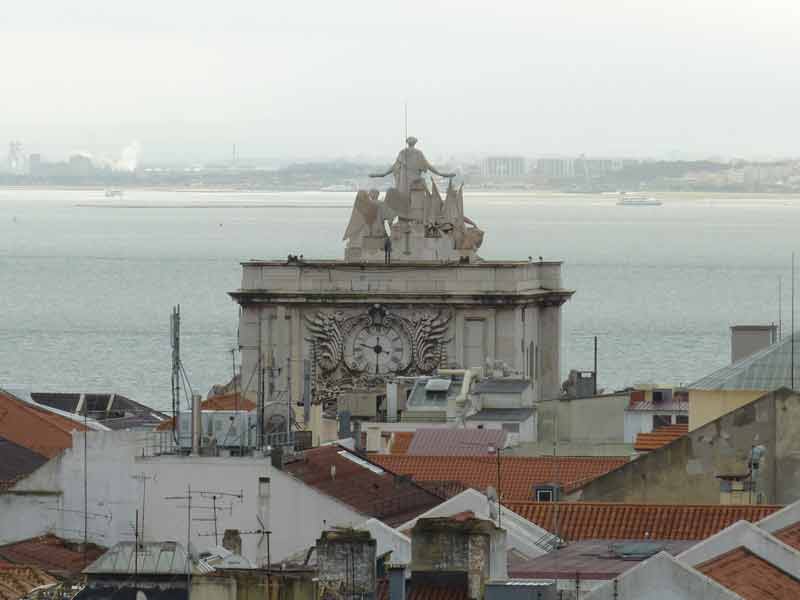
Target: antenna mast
[(175, 339)]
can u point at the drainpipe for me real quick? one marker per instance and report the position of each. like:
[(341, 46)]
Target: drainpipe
[(455, 406)]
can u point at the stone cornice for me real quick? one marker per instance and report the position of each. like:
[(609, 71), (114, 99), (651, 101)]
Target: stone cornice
[(538, 297)]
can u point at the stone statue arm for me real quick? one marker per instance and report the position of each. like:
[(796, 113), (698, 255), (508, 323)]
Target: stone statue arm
[(388, 171), (433, 169)]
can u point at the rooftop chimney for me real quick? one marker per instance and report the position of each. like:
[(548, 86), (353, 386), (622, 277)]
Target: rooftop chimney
[(397, 581)]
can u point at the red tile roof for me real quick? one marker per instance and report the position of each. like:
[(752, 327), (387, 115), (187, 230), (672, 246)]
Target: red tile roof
[(790, 535), (518, 474), (455, 442), (51, 554), (750, 576), (36, 429), (611, 521), (367, 488), (401, 440), (17, 581), (659, 437), (423, 591)]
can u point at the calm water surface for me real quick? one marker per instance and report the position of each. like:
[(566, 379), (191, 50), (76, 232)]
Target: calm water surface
[(86, 290)]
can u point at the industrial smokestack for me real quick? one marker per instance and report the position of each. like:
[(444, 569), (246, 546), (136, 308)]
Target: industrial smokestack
[(197, 423)]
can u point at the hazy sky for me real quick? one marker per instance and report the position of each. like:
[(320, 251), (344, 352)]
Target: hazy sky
[(329, 78)]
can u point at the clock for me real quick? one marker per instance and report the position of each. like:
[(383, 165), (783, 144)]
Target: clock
[(378, 348)]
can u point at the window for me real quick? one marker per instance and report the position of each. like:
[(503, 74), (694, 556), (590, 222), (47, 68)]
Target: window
[(545, 493), (657, 396), (474, 336), (661, 421), (511, 427), (682, 419)]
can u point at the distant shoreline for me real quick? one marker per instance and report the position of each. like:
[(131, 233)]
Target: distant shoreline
[(477, 191)]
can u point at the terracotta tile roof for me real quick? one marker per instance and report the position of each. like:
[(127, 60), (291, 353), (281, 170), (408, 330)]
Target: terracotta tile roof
[(518, 474), (401, 440), (659, 437), (790, 535), (17, 581), (367, 488), (51, 554), (36, 429), (423, 591), (16, 462), (611, 521), (750, 576), (224, 402), (455, 442)]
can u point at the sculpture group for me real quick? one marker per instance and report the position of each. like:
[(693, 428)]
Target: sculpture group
[(421, 225)]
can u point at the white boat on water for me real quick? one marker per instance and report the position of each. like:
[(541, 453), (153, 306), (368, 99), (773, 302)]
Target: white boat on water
[(637, 200)]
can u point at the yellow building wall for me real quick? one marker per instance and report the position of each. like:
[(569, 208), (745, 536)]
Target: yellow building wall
[(707, 405)]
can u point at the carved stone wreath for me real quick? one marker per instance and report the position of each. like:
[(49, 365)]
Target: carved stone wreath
[(424, 331)]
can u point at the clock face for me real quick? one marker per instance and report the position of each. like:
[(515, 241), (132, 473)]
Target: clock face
[(378, 349)]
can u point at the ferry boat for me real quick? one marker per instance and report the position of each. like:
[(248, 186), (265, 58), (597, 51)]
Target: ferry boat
[(637, 200)]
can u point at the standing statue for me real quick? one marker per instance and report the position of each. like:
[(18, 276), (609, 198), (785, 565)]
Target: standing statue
[(409, 167)]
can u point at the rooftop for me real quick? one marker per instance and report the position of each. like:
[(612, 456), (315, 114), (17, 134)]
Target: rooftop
[(518, 474), (661, 436), (591, 559), (611, 521), (152, 558), (18, 581), (51, 554), (455, 442), (423, 591), (750, 576), (767, 369), (37, 429), (113, 410), (401, 440), (362, 484), (16, 462)]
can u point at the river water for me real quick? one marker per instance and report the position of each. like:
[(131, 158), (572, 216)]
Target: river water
[(88, 282)]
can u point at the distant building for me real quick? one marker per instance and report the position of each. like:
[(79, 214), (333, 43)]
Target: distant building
[(503, 166), (556, 168)]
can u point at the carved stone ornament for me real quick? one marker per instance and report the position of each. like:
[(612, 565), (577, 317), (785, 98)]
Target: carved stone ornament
[(377, 343)]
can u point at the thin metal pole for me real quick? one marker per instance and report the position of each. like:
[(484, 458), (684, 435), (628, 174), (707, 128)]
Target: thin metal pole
[(85, 479), (136, 549), (780, 312), (499, 506), (214, 508), (595, 365), (792, 334), (189, 542)]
